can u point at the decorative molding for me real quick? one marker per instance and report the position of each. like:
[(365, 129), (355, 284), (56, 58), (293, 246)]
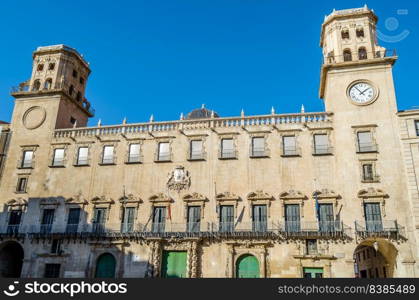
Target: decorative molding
[(130, 198), (179, 179), (326, 194), (17, 204), (76, 200), (194, 197), (102, 200), (160, 198), (372, 193), (49, 201), (259, 195), (227, 196), (292, 195)]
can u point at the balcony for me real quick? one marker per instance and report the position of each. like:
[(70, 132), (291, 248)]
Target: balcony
[(163, 157), (25, 164), (359, 56), (134, 159), (366, 148), (57, 163), (313, 229), (14, 230), (388, 229), (108, 160)]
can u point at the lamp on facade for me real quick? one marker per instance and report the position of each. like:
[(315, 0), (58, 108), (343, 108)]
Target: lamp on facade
[(375, 245)]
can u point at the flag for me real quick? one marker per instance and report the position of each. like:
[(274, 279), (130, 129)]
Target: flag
[(169, 210), (317, 206), (240, 218)]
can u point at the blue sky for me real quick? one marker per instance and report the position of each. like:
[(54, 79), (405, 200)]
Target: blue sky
[(167, 57)]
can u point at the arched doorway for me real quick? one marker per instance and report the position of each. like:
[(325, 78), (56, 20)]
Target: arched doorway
[(375, 259), (247, 266), (105, 266), (11, 259)]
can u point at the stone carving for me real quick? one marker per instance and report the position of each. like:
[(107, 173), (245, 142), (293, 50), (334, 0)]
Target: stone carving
[(326, 194), (371, 193), (291, 195), (259, 195), (160, 197), (194, 197), (77, 199), (102, 200), (227, 196), (130, 198), (179, 179), (49, 201), (34, 117)]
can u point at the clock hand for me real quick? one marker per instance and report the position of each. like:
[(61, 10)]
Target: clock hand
[(362, 93), (357, 89)]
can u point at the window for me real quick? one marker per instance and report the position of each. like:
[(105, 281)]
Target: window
[(27, 159), (362, 53), (226, 218), (71, 90), (159, 219), (368, 172), (36, 85), (326, 218), (73, 121), (73, 220), (51, 66), (128, 219), (78, 96), (313, 272), (52, 270), (15, 217), (47, 220), (194, 218), (58, 159), (196, 150), (321, 144), (108, 157), (40, 67), (360, 32), (81, 80), (82, 156), (289, 145), (56, 246), (99, 219), (134, 153), (48, 84), (311, 247), (292, 218), (75, 73), (21, 185), (347, 55), (417, 127), (373, 222), (227, 149), (365, 142), (258, 147), (345, 34), (164, 151), (259, 218)]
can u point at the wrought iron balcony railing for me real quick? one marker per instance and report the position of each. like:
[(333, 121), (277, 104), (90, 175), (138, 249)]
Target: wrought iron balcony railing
[(385, 228)]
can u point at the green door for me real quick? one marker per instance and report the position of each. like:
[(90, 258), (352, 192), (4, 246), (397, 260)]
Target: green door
[(174, 264), (313, 272), (105, 266), (247, 267)]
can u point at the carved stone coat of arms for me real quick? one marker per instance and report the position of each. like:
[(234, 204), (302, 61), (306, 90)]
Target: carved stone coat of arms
[(179, 179)]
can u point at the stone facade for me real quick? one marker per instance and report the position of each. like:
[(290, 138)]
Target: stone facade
[(277, 195)]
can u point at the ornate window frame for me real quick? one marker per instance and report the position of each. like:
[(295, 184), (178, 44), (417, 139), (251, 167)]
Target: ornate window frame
[(373, 162), (326, 196), (19, 177), (197, 137), (227, 198), (288, 133), (104, 144), (265, 136), (17, 204), (364, 128), (292, 197), (55, 146), (372, 195), (225, 136), (322, 131), (127, 153), (79, 145), (129, 201), (159, 140), (194, 199), (259, 197), (102, 202), (24, 148)]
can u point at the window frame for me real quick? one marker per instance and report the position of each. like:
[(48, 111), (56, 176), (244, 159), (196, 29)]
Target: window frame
[(77, 157), (129, 159), (25, 188), (372, 146), (199, 156), (103, 160), (293, 153), (328, 148), (225, 155), (22, 164), (54, 157), (159, 157)]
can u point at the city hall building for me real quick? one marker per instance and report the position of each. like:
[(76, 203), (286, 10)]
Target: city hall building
[(308, 194)]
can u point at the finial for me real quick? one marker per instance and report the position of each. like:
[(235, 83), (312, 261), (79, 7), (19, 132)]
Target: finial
[(99, 123), (181, 116), (212, 114), (242, 113), (75, 124), (272, 110), (151, 118), (302, 108), (203, 106)]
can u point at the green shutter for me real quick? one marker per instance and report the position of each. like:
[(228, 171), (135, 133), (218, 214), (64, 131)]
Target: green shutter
[(247, 267), (313, 272), (174, 264)]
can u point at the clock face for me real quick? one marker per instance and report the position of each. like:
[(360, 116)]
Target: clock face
[(362, 93)]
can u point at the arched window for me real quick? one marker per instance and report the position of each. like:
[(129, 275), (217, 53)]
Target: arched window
[(345, 34), (347, 55), (360, 32), (362, 53), (36, 85), (71, 90), (105, 266), (48, 84), (40, 67), (51, 66)]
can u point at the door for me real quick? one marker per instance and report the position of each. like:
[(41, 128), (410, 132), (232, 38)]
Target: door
[(226, 218), (105, 266), (174, 264), (159, 219), (15, 218), (313, 272), (194, 218), (326, 222), (99, 219), (373, 220), (292, 218), (47, 220), (259, 218), (73, 220), (247, 266), (128, 219)]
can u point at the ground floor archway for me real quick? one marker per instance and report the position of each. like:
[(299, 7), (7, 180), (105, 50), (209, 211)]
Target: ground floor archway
[(375, 259), (11, 259), (247, 266), (105, 266)]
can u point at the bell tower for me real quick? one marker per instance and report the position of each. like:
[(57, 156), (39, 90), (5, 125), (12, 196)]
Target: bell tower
[(55, 91)]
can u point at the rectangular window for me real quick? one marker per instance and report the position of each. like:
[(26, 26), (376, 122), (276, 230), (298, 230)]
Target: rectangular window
[(128, 219), (194, 218), (58, 159), (164, 152), (227, 148), (313, 272), (326, 218), (15, 217), (259, 218), (73, 220), (134, 153), (82, 156), (258, 147), (417, 127), (289, 145), (196, 150), (365, 142), (311, 247), (367, 172), (27, 159), (321, 144), (108, 157), (56, 246), (99, 220), (226, 218), (159, 219), (373, 222), (21, 185), (47, 220), (292, 217), (52, 270)]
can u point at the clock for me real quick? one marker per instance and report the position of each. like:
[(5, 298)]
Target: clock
[(362, 92)]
